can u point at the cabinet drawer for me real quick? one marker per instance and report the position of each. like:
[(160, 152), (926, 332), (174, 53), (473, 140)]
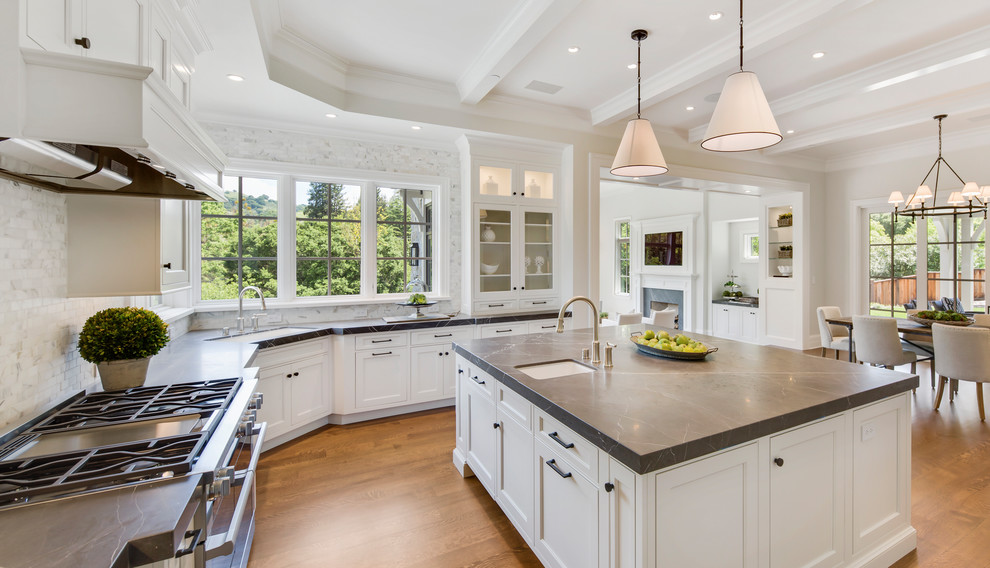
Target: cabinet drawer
[(379, 340), (441, 335), (501, 330), (476, 378), (512, 404), (536, 303), (581, 454), (290, 353), (546, 326), (495, 306)]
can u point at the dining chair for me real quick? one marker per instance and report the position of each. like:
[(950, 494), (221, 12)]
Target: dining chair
[(662, 318), (630, 319), (962, 353), (835, 337), (878, 343)]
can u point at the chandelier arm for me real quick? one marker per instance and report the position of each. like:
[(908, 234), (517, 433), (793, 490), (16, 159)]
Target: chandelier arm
[(935, 163), (958, 177)]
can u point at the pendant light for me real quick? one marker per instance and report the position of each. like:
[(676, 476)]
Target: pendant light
[(742, 119), (639, 152)]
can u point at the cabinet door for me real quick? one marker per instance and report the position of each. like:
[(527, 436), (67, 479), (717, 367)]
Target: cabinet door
[(720, 320), (806, 499), (706, 512), (538, 261), (538, 185), (426, 381), (566, 529), (382, 377), (480, 436), (514, 475), (309, 389), (175, 268), (494, 261), (750, 325), (114, 30), (274, 408), (735, 322), (619, 514), (49, 25), (449, 372)]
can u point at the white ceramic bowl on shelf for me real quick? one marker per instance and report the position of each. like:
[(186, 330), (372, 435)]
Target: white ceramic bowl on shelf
[(488, 268), (785, 270)]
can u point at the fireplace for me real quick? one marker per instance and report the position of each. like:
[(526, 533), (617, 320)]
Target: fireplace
[(661, 298)]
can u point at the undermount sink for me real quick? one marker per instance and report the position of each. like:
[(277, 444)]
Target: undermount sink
[(554, 369), (252, 336)]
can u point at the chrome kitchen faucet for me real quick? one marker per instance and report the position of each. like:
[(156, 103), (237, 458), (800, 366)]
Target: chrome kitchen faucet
[(596, 348), (240, 308)]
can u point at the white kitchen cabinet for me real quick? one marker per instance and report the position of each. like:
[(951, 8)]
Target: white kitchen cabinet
[(566, 530), (382, 377), (170, 56), (430, 369), (618, 512), (503, 329), (295, 384), (480, 435), (750, 328), (125, 246), (498, 180), (514, 453), (103, 29), (806, 496), (741, 323), (706, 511)]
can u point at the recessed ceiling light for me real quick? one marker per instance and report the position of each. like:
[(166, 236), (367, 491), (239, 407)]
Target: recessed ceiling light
[(236, 78), (417, 127), (330, 115), (689, 108), (631, 66), (790, 132), (818, 54), (715, 16), (573, 49)]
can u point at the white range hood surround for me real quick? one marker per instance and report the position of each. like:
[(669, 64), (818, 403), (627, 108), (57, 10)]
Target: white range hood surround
[(65, 98)]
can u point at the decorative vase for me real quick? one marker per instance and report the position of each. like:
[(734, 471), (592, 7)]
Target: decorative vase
[(540, 261), (526, 262), (491, 186), (488, 235), (123, 374)]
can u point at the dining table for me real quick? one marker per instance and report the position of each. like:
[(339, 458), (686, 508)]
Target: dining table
[(919, 335)]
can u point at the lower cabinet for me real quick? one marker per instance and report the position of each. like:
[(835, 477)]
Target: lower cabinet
[(382, 377), (514, 460), (295, 384), (736, 322), (566, 513), (431, 372), (480, 425)]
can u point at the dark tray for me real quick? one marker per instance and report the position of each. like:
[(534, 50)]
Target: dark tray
[(680, 356)]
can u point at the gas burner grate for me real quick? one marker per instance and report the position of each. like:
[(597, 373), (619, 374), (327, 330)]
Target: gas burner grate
[(141, 403), (98, 468)]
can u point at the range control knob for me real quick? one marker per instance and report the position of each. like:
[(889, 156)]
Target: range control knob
[(245, 428), (222, 480), (256, 400), (251, 415)]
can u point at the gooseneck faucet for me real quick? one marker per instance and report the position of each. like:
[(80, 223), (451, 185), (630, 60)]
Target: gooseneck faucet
[(596, 348), (240, 306)]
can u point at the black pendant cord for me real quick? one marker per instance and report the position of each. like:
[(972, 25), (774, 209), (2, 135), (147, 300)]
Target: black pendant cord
[(740, 35), (639, 47)]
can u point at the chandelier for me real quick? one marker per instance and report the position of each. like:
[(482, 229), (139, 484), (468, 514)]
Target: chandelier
[(972, 199)]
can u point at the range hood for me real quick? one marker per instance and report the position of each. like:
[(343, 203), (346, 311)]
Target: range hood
[(81, 125)]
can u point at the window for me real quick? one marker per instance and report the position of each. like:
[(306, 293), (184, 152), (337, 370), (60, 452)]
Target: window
[(622, 257), (751, 246), (664, 249), (893, 263), (347, 237), (957, 260), (239, 239)]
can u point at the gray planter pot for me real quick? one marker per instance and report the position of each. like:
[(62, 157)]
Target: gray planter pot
[(123, 374)]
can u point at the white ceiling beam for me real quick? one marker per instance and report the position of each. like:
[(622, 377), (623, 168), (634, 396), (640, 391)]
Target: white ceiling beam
[(523, 30), (955, 51), (762, 33), (903, 117)]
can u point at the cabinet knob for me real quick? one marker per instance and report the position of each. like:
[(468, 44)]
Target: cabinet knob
[(84, 42), (609, 487), (288, 376), (296, 374), (495, 425), (522, 287), (446, 352), (513, 287), (779, 462), (167, 265), (440, 354)]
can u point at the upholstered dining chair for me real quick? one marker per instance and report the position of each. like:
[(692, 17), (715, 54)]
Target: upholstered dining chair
[(630, 319), (835, 337), (878, 343), (962, 353), (662, 318)]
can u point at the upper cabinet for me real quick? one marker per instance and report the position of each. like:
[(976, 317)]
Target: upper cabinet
[(102, 29), (780, 241), (515, 182)]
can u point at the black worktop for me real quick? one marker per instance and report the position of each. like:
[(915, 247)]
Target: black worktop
[(650, 413), (733, 302)]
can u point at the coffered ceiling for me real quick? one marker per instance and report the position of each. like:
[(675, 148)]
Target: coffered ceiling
[(445, 65)]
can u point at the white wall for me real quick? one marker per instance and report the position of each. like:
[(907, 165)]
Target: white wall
[(39, 326)]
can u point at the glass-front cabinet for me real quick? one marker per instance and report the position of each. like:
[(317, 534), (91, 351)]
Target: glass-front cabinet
[(515, 252), (780, 241), (516, 183)]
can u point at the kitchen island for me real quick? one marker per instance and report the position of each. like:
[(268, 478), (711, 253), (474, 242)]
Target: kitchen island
[(756, 456)]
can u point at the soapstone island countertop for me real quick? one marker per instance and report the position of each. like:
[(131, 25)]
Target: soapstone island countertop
[(650, 413)]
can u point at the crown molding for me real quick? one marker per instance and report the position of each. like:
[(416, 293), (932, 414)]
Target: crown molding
[(972, 138)]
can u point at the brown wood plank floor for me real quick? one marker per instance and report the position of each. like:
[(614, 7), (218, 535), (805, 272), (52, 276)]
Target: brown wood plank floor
[(385, 493)]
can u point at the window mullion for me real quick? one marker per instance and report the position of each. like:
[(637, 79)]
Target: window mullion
[(286, 245), (369, 239)]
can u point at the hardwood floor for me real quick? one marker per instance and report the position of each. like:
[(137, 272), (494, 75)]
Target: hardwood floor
[(385, 493)]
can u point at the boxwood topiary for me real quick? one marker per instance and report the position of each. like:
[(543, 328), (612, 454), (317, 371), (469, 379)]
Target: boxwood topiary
[(122, 333)]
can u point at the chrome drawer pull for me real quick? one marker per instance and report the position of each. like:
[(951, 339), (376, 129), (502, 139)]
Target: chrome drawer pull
[(553, 465), (477, 380), (194, 535), (556, 438)]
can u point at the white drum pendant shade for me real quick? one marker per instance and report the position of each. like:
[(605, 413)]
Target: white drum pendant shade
[(742, 119), (639, 152)]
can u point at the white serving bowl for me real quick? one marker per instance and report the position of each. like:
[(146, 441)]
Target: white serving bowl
[(785, 270), (488, 268)]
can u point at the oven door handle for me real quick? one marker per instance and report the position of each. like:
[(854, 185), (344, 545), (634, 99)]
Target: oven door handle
[(223, 544)]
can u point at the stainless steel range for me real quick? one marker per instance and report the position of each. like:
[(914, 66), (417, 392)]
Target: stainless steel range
[(91, 445)]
